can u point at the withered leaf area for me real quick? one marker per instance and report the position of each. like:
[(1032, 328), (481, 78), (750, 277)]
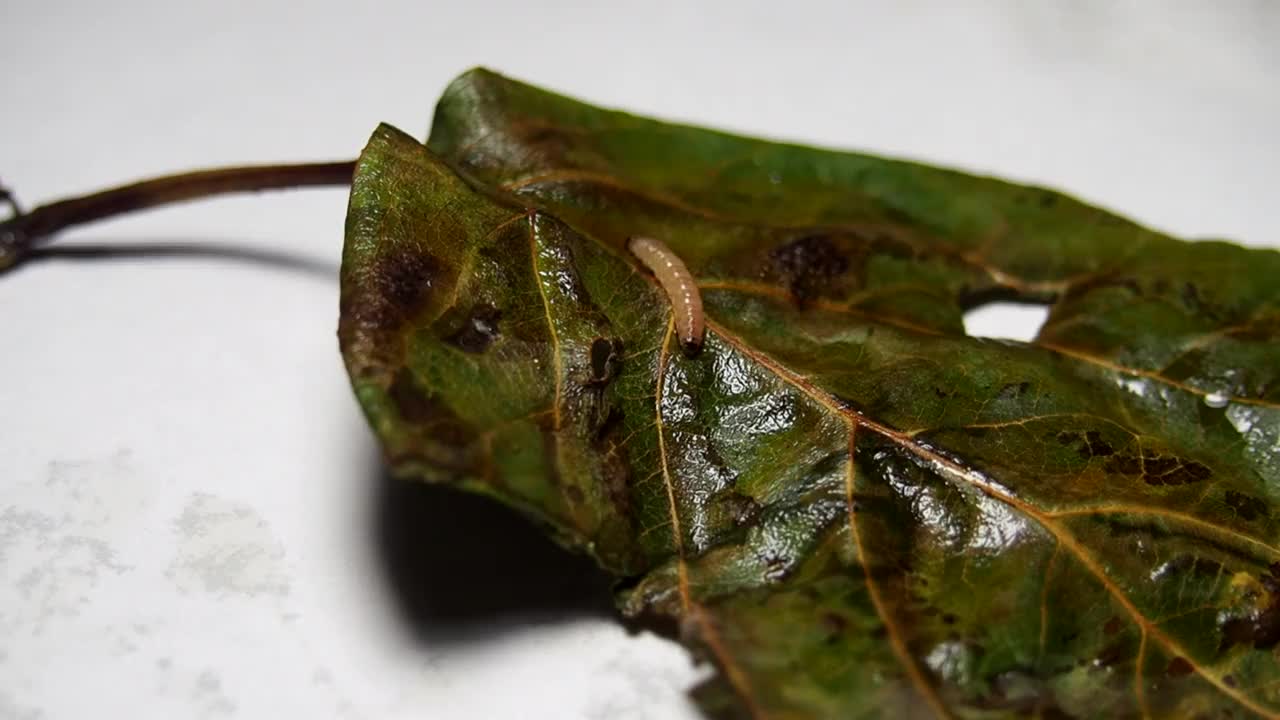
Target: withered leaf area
[(850, 506)]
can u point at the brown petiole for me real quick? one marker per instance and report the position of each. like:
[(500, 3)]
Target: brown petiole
[(24, 231)]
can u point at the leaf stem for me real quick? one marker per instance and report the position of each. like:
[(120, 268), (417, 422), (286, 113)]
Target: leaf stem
[(24, 231)]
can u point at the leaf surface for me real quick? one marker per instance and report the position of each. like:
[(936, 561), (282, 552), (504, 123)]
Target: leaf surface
[(853, 508)]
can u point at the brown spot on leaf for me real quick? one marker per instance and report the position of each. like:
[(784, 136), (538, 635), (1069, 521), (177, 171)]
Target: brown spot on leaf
[(1112, 654), (742, 509), (479, 331), (1179, 667), (402, 277), (379, 299), (1097, 446), (1237, 631), (1174, 471), (427, 412), (1259, 626), (605, 357), (1246, 506), (1124, 465), (1159, 470), (1011, 391), (808, 265), (1198, 566), (833, 625), (615, 470), (1093, 445), (1113, 626), (547, 427), (546, 143), (1191, 297)]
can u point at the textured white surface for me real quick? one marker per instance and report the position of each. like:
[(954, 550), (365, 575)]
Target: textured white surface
[(187, 490)]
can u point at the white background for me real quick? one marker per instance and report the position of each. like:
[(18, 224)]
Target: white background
[(193, 522)]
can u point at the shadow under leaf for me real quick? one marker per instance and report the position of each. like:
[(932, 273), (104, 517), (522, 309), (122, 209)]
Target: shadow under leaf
[(187, 250), (462, 567)]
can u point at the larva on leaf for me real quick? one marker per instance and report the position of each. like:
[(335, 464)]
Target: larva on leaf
[(682, 291)]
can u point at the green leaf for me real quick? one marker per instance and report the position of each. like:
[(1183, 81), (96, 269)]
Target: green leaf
[(853, 508)]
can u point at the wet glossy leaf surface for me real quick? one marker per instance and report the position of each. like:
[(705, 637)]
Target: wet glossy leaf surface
[(851, 507)]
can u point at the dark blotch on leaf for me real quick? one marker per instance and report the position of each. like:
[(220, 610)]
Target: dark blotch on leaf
[(548, 144), (396, 286), (1113, 653), (602, 361), (412, 404), (426, 411), (1159, 470), (1246, 506), (1011, 391), (1097, 446), (1124, 465), (1260, 627), (1092, 445), (807, 265), (1179, 667), (479, 331), (833, 625), (1197, 566), (1113, 626), (402, 279), (743, 509), (1191, 297), (615, 469), (1174, 471), (1261, 631)]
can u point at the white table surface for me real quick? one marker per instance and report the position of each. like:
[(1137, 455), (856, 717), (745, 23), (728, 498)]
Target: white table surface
[(193, 522)]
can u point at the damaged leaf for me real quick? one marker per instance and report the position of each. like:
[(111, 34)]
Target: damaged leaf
[(851, 507)]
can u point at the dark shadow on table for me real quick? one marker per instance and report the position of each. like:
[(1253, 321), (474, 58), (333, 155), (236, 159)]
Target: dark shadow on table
[(458, 566), (218, 251), (463, 567)]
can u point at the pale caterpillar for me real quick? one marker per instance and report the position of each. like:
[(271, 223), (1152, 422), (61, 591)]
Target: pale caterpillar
[(681, 289)]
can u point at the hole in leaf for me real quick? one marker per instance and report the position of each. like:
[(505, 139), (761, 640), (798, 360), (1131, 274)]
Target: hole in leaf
[(1006, 321)]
